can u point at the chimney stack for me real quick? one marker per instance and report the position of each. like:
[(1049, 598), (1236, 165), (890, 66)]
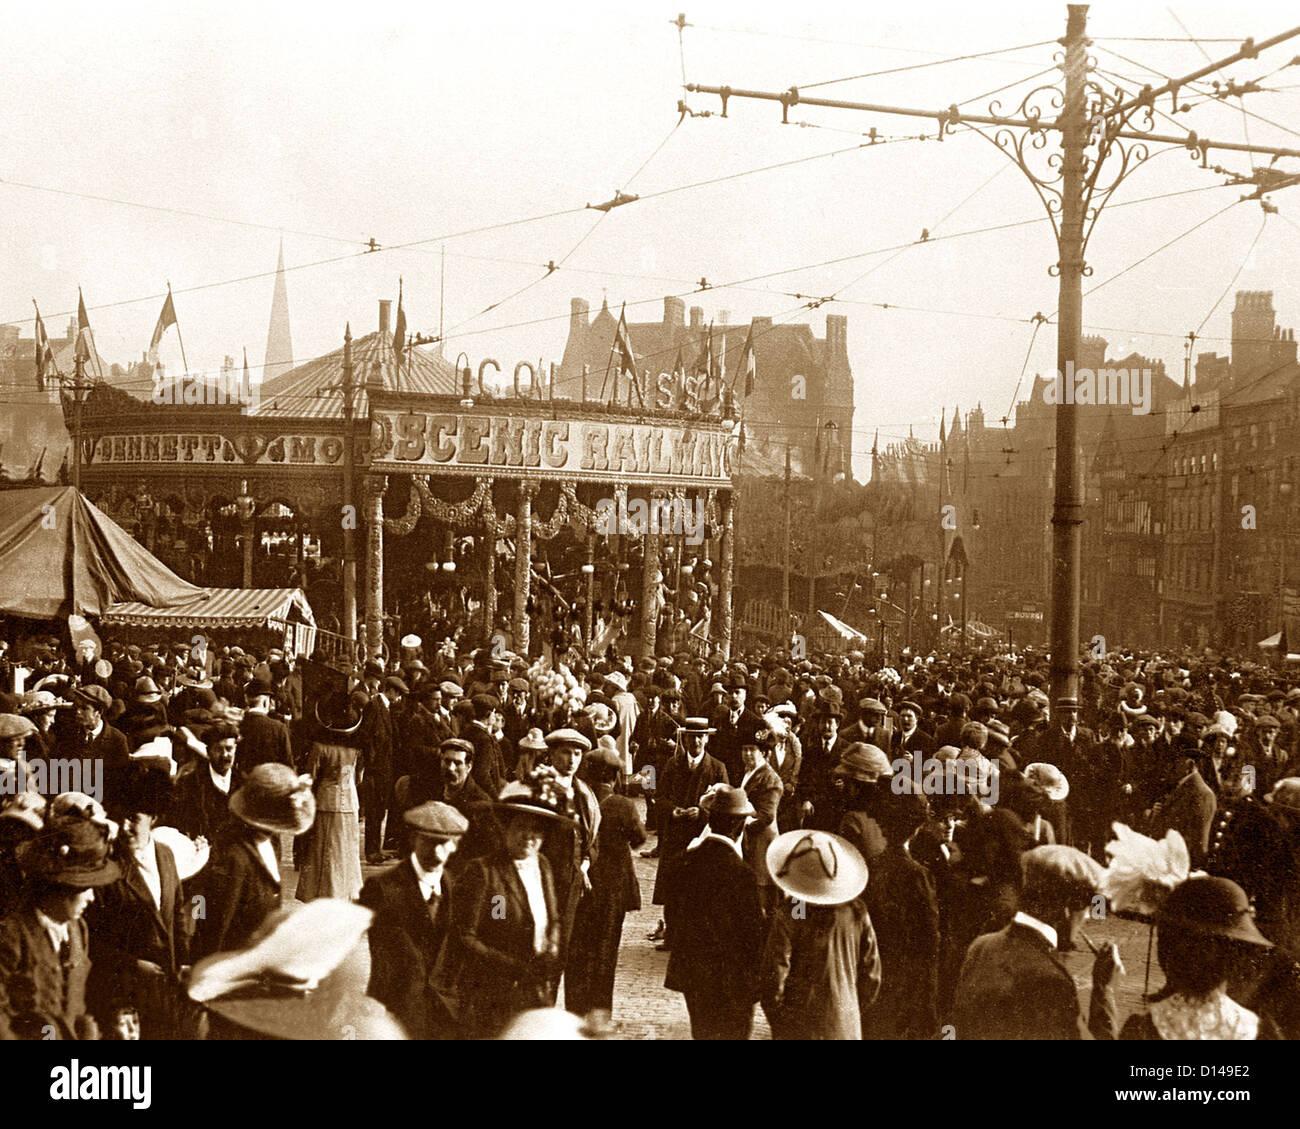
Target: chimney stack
[(385, 308)]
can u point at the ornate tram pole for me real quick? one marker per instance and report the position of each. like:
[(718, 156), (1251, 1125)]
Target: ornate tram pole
[(375, 488), (349, 514), (726, 563), (651, 575), (523, 565)]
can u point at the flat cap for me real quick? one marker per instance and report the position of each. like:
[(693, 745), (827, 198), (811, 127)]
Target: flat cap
[(95, 696), (436, 818), (568, 736), (451, 689), (1056, 867), (861, 761), (392, 682), (15, 725)]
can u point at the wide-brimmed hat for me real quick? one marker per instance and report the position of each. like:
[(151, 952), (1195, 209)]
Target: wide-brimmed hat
[(541, 793), (724, 799), (1214, 906), (72, 853), (261, 988), (865, 762), (817, 867), (336, 713), (275, 798), (1047, 779), (603, 718), (38, 701)]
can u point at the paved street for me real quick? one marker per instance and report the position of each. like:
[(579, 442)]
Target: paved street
[(645, 1009)]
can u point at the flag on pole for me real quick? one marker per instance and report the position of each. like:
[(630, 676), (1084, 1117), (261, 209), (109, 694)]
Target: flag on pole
[(166, 320), (623, 344), (45, 365), (399, 332), (85, 339), (747, 365)]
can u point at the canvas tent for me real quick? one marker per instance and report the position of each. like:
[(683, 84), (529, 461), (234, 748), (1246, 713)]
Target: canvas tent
[(284, 612), (61, 556)]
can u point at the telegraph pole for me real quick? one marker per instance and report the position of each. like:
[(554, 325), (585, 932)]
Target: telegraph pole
[(1093, 123), (785, 571)]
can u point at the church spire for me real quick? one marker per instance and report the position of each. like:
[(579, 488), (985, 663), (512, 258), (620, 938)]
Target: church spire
[(279, 345)]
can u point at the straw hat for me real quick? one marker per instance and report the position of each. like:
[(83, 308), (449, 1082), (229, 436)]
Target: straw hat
[(275, 798), (817, 867)]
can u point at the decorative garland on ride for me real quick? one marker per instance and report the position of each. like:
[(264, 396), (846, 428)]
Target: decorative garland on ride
[(403, 525), (454, 513)]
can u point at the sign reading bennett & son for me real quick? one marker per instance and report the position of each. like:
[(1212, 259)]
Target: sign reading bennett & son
[(573, 448)]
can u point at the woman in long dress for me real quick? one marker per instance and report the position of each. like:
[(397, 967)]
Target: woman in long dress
[(332, 862)]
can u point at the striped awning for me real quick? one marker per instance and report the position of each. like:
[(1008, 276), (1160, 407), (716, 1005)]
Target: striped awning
[(218, 607)]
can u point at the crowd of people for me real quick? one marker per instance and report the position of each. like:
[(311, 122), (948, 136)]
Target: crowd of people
[(861, 851)]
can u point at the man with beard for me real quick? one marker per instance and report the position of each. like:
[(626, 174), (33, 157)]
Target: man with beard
[(688, 775)]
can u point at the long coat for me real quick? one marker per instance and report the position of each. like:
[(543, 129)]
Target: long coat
[(492, 961), (598, 927), (905, 912), (238, 895), (1189, 810), (1012, 986), (40, 997), (567, 846), (681, 786), (126, 926), (406, 938), (719, 928), (820, 967), (263, 740)]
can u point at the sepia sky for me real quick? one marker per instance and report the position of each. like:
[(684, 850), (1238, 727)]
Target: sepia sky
[(145, 143)]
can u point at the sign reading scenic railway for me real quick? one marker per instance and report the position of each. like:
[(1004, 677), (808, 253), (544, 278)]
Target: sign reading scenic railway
[(570, 448)]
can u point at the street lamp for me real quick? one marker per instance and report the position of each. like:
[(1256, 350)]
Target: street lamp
[(464, 375)]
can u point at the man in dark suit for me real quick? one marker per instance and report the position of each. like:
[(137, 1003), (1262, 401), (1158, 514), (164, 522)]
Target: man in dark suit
[(43, 943), (1012, 986), (93, 739), (141, 925), (735, 725), (689, 774), (718, 925), (262, 739), (201, 799), (412, 904), (377, 778), (489, 762)]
